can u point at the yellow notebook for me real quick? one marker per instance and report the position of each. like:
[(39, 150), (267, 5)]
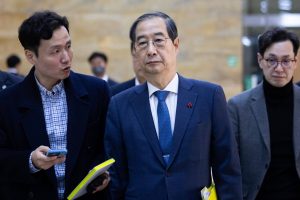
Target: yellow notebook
[(95, 172)]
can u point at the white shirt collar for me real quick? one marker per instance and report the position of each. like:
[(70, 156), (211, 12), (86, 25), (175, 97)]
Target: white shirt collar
[(105, 77), (136, 82), (171, 87), (12, 70)]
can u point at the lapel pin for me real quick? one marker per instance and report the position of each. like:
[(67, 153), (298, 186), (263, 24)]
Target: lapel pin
[(189, 105)]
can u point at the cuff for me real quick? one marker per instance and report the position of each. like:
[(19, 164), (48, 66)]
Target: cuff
[(32, 168)]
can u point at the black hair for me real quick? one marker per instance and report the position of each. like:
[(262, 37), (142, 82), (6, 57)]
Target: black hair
[(40, 25), (98, 54), (277, 34), (170, 24), (12, 61)]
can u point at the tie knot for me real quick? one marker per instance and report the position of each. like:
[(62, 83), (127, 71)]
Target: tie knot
[(161, 95)]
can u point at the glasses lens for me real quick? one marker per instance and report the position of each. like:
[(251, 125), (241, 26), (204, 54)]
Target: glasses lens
[(286, 63), (160, 42), (272, 62)]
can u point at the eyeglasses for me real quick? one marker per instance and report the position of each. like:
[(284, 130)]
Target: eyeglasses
[(273, 63), (158, 43)]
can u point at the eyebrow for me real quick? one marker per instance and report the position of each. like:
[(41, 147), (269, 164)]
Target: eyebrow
[(58, 46), (155, 34), (284, 56)]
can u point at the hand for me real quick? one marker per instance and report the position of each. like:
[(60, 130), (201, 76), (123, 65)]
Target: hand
[(41, 161), (99, 183)]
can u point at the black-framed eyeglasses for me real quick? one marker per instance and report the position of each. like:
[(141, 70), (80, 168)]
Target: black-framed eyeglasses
[(158, 43), (285, 63)]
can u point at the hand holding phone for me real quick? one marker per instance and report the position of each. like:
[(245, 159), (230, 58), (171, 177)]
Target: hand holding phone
[(56, 152)]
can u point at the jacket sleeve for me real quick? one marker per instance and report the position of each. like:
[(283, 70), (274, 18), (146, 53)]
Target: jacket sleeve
[(114, 147), (225, 160)]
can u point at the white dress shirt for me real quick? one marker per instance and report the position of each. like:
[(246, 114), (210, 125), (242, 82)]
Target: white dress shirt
[(171, 101)]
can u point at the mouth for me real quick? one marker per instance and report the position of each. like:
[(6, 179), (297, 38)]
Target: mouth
[(66, 69), (278, 76), (152, 62)]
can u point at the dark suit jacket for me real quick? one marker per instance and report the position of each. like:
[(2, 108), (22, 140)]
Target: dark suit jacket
[(7, 80), (22, 129), (202, 138), (248, 113), (122, 86), (111, 82)]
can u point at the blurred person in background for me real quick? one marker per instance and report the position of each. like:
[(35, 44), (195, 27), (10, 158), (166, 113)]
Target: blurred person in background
[(8, 79), (137, 80), (13, 63), (98, 62)]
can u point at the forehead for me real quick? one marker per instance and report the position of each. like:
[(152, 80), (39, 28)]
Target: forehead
[(151, 27), (284, 48), (59, 37)]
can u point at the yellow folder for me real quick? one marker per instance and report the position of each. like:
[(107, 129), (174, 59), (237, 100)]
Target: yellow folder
[(209, 193), (95, 172)]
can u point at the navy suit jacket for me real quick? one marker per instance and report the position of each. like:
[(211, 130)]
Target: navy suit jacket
[(8, 79), (111, 82), (115, 89), (202, 139), (22, 130)]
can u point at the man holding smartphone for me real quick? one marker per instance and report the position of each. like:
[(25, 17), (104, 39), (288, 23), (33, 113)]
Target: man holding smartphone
[(53, 108)]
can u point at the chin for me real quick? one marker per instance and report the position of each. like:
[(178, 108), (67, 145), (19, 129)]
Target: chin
[(279, 84)]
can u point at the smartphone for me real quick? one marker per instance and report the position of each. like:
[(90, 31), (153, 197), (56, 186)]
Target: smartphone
[(57, 152)]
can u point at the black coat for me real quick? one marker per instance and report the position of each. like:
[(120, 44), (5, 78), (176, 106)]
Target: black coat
[(22, 130)]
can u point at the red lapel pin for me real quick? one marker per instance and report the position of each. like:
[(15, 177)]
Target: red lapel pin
[(189, 105)]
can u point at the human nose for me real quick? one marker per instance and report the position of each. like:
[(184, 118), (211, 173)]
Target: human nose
[(278, 66), (66, 57), (151, 50)]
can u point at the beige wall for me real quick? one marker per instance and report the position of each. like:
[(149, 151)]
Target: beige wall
[(209, 32)]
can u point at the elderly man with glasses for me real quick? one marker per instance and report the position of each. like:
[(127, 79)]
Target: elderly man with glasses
[(168, 133), (266, 119)]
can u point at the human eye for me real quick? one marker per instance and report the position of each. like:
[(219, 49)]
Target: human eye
[(159, 41), (286, 62), (272, 61), (55, 51), (142, 43)]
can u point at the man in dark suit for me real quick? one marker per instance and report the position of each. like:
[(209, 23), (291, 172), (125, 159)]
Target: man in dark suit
[(265, 121), (165, 149), (139, 77), (99, 62), (13, 63), (53, 108), (7, 80)]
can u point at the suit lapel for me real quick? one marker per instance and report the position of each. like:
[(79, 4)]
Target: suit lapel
[(186, 100), (296, 131), (259, 109), (32, 117), (141, 106), (78, 109)]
